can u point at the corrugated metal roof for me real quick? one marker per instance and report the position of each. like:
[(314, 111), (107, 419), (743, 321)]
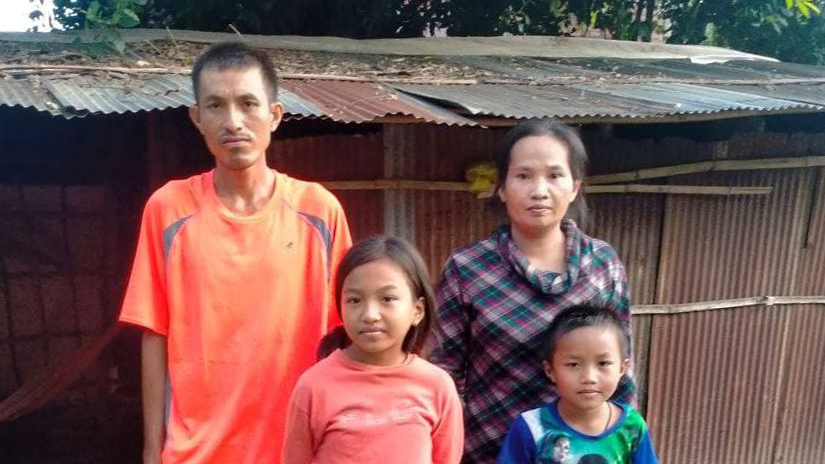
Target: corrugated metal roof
[(361, 102), (24, 94), (349, 102), (594, 99), (575, 89)]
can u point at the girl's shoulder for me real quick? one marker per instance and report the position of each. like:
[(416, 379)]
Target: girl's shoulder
[(319, 373), (433, 375)]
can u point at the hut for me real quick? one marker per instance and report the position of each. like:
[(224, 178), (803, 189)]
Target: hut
[(706, 175)]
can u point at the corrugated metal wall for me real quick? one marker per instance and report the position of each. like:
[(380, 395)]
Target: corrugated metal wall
[(339, 157), (722, 386), (734, 247), (714, 385)]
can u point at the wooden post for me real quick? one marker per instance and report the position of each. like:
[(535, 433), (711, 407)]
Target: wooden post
[(399, 211)]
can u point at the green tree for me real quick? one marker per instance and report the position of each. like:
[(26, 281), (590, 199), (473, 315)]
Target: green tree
[(792, 30)]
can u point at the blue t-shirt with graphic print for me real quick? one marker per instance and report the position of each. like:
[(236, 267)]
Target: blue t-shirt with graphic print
[(541, 436)]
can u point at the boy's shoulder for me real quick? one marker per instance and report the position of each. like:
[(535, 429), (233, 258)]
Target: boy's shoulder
[(633, 418)]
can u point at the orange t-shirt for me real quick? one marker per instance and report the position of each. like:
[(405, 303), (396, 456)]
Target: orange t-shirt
[(345, 412), (243, 302)]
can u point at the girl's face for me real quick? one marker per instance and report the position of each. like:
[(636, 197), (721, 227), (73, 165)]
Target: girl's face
[(539, 186), (587, 366), (378, 308)]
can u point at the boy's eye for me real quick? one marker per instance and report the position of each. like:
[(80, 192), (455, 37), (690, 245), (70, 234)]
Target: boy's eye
[(250, 104), (522, 175), (605, 363), (572, 364), (213, 105), (390, 299)]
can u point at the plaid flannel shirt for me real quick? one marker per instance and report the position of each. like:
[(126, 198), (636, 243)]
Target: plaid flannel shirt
[(494, 310)]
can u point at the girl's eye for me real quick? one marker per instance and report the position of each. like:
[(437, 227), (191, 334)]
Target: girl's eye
[(606, 363), (352, 300), (572, 364), (522, 176), (390, 299)]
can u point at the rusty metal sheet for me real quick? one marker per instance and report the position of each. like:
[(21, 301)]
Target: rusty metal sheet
[(802, 422), (714, 383), (811, 279), (733, 247), (356, 157), (363, 102)]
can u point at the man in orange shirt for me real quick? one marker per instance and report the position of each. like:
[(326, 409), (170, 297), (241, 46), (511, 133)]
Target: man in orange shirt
[(232, 278)]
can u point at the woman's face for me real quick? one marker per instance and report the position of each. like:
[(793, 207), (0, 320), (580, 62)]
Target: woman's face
[(539, 186)]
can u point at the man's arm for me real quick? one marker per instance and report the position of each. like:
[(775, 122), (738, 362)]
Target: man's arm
[(153, 367)]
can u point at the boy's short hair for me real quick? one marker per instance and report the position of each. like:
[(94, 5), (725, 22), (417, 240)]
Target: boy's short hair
[(585, 315), (236, 55)]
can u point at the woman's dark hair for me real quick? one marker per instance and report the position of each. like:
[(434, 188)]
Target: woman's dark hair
[(236, 55), (576, 157), (406, 257), (585, 315)]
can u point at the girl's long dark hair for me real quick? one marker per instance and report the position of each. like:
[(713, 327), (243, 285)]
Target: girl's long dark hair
[(403, 255)]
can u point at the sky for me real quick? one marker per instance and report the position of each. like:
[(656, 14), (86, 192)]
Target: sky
[(14, 15)]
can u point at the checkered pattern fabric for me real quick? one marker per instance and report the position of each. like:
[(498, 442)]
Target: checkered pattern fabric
[(494, 310)]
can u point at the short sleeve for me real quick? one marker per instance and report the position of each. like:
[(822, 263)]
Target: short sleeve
[(644, 454), (299, 442), (518, 446), (448, 435), (341, 243), (145, 302)]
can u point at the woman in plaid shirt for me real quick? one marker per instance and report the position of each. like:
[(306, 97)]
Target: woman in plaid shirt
[(496, 298)]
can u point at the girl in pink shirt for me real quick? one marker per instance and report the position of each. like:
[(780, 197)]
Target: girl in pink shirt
[(374, 400)]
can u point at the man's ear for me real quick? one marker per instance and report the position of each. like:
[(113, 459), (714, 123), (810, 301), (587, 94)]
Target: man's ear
[(195, 116), (277, 111)]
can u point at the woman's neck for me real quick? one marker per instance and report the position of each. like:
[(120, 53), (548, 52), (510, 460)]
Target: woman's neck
[(544, 250)]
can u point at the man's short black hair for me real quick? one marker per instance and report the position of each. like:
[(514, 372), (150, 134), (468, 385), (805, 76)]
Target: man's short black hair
[(236, 55)]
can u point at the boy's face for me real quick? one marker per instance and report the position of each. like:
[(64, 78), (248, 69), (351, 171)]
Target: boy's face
[(561, 450), (587, 366), (235, 116)]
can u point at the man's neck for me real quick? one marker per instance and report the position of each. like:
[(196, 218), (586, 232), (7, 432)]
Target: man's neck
[(245, 192)]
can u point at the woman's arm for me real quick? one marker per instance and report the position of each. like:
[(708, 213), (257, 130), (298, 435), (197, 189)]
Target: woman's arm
[(620, 302)]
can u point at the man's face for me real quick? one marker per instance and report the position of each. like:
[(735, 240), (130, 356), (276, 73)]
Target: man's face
[(235, 116)]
